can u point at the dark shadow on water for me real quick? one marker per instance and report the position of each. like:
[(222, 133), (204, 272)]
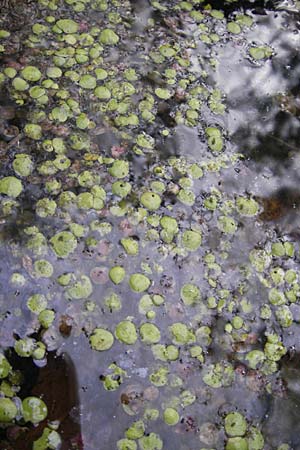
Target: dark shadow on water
[(256, 6), (56, 383), (283, 415), (282, 202)]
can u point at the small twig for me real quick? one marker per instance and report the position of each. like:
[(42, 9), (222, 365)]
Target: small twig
[(292, 147), (14, 140)]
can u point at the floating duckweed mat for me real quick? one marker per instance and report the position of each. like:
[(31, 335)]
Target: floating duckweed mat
[(149, 226)]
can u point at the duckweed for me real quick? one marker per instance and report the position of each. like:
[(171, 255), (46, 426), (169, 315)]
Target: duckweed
[(23, 164), (150, 200), (101, 339), (45, 207), (191, 240), (8, 410), (186, 196), (108, 37), (284, 316), (5, 367), (136, 430), (234, 28), (129, 164), (119, 169), (218, 375), (46, 318), (82, 288), (260, 52), (181, 333), (130, 246), (126, 444), (117, 274), (151, 442), (227, 224), (214, 139), (31, 73), (39, 351), (34, 410), (237, 443), (87, 82), (190, 294), (246, 207), (274, 350), (49, 439), (150, 334), (255, 439), (171, 416), (276, 297), (37, 303), (67, 26), (63, 243), (139, 282), (126, 332), (164, 94), (165, 352), (235, 424), (20, 84), (54, 72), (11, 186), (102, 92), (33, 131), (255, 358)]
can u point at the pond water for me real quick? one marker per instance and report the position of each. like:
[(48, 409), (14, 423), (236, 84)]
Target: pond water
[(149, 241)]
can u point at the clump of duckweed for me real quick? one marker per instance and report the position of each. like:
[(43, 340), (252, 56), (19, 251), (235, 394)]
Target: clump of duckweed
[(114, 377), (260, 52), (148, 257), (49, 439), (214, 139)]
